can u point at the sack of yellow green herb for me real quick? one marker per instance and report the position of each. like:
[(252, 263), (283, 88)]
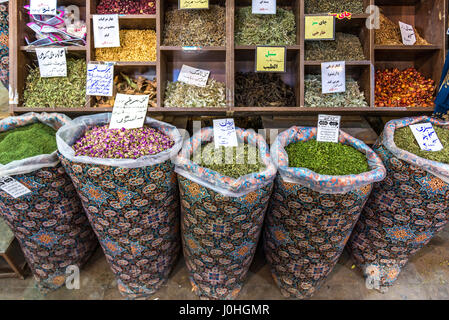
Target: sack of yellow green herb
[(224, 196), (49, 222), (408, 208), (312, 213)]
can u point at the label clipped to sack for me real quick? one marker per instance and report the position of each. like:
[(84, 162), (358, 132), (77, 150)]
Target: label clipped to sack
[(270, 59), (193, 4), (193, 76), (328, 128), (52, 62), (129, 111), (13, 187), (100, 78), (45, 7), (333, 77), (407, 33), (319, 27), (106, 31), (426, 136), (224, 133), (264, 7)]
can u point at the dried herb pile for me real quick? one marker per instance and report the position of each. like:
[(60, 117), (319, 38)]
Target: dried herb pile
[(346, 47), (244, 159), (27, 141), (195, 27), (127, 7), (389, 33), (130, 85), (326, 158), (262, 90), (265, 29), (405, 140), (57, 92), (179, 94), (314, 98), (333, 6), (135, 45)]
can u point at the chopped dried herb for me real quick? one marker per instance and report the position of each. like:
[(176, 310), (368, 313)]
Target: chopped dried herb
[(326, 158), (389, 33), (346, 47), (333, 6), (183, 95)]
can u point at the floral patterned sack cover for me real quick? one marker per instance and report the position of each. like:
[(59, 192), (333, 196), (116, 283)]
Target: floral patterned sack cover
[(311, 216), (221, 218), (49, 223), (133, 206), (404, 211)]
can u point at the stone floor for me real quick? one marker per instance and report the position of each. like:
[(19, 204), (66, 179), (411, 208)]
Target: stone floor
[(425, 277)]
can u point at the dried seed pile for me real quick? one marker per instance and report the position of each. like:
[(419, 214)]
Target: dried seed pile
[(389, 33), (233, 162), (333, 6), (326, 158), (179, 94), (102, 142), (57, 92), (265, 29), (262, 90), (195, 27), (345, 47), (135, 45), (127, 7), (314, 97)]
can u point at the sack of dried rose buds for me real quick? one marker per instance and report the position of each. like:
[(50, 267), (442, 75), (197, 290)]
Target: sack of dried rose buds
[(127, 184)]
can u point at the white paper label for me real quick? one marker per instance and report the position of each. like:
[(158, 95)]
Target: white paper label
[(100, 80), (129, 111), (328, 128), (426, 136), (46, 7), (52, 62), (12, 187), (224, 133), (106, 31), (333, 77), (407, 33), (264, 7), (193, 76)]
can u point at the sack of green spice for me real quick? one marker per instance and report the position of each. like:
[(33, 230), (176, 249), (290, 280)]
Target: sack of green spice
[(312, 215), (132, 203), (222, 216), (49, 222), (405, 210)]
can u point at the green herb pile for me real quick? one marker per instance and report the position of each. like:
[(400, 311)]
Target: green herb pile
[(405, 140), (265, 29), (346, 47), (326, 158), (59, 92), (333, 6), (244, 159), (27, 141), (179, 94)]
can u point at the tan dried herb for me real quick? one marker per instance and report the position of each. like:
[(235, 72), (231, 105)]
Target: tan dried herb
[(346, 47), (333, 6), (389, 33), (182, 95)]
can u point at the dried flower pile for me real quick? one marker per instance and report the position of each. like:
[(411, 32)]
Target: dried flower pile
[(102, 142), (314, 97), (127, 7), (135, 45), (262, 90), (389, 33), (179, 94), (58, 92), (333, 6), (345, 47), (195, 27), (265, 29)]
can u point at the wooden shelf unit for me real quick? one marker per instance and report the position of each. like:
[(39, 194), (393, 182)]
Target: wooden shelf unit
[(428, 16)]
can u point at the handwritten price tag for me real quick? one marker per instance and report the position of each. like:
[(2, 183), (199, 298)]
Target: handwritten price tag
[(45, 7), (193, 4), (270, 59), (319, 28), (106, 31), (426, 136), (333, 77), (129, 111), (100, 79), (224, 133), (13, 187), (264, 7), (407, 33), (193, 76), (328, 128), (52, 62)]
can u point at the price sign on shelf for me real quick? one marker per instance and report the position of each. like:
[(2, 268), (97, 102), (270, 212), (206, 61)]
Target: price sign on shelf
[(13, 187), (270, 59), (52, 62), (45, 7), (407, 33), (193, 4), (333, 77), (129, 111), (100, 78), (264, 7), (319, 27), (193, 76), (224, 133), (106, 30), (426, 136), (328, 128)]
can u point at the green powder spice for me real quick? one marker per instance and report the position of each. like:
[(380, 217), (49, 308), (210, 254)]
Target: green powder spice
[(231, 161), (27, 141), (326, 158), (405, 140), (346, 47), (333, 6)]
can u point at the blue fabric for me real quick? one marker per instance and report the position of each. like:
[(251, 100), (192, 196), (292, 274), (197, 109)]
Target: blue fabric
[(442, 99)]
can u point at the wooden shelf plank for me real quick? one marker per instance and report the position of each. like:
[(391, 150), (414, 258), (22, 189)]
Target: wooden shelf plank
[(407, 48), (129, 63), (131, 16), (348, 63), (253, 47), (69, 48), (192, 48)]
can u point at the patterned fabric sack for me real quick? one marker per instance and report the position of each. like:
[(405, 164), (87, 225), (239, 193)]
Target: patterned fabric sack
[(221, 217), (404, 211), (132, 204), (49, 222), (311, 216)]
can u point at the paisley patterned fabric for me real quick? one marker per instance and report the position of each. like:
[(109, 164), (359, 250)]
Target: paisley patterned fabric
[(220, 236), (4, 44), (135, 215)]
